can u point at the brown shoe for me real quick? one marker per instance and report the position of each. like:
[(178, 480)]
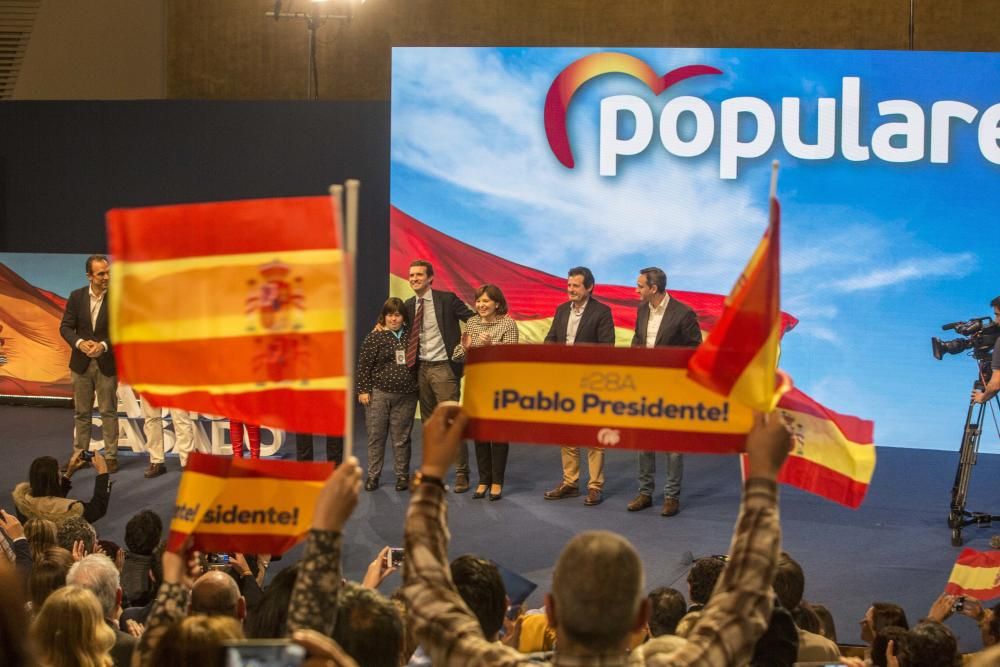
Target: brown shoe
[(640, 502), (112, 465), (461, 483), (155, 470), (562, 491), (593, 497), (671, 506)]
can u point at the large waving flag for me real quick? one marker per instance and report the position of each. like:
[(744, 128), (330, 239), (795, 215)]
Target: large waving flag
[(834, 454), (34, 359), (976, 573), (739, 358), (532, 295), (233, 308)]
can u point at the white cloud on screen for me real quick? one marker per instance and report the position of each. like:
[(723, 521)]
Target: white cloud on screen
[(948, 266), (445, 126)]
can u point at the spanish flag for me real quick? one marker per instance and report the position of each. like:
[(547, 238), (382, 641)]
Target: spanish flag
[(739, 358), (833, 454), (233, 309), (977, 574)]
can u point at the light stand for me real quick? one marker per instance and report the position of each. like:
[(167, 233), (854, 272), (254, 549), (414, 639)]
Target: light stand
[(315, 18)]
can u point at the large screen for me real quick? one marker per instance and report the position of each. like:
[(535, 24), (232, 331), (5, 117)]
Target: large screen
[(511, 165)]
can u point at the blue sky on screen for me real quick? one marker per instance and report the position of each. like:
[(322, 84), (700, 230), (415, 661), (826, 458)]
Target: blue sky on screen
[(876, 255)]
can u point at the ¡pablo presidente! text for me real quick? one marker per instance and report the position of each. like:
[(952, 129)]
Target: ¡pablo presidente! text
[(591, 403)]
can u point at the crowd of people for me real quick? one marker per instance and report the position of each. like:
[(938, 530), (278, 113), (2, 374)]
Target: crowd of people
[(69, 598)]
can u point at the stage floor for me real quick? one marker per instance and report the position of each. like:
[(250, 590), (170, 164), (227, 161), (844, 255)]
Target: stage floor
[(896, 547)]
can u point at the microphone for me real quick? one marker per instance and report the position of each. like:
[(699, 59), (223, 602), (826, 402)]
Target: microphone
[(951, 325)]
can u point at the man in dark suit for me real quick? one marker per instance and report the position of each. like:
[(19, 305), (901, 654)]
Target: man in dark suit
[(661, 321), (435, 320), (92, 365), (582, 319)]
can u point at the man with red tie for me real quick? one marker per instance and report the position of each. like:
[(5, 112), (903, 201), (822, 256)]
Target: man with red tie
[(435, 331)]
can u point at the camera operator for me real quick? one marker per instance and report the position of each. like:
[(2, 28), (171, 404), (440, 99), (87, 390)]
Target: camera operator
[(993, 385)]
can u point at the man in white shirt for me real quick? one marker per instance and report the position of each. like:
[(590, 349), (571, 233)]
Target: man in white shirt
[(661, 321), (92, 365)]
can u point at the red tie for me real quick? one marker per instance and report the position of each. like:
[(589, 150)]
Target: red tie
[(413, 342)]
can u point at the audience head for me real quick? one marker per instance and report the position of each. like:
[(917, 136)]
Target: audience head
[(807, 619), (596, 598), (881, 615), (393, 306), (481, 587), (99, 575), (827, 627), (668, 608), (195, 640), (930, 644), (789, 582), (76, 528), (368, 627), (13, 620), (69, 630), (496, 295), (215, 593), (702, 577), (270, 617), (880, 644), (44, 477), (41, 535), (48, 575), (143, 532)]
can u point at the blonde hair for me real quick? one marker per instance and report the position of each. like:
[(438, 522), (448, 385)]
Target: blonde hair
[(69, 630), (195, 640), (41, 534)]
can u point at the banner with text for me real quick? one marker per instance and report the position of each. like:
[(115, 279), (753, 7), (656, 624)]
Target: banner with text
[(243, 505), (621, 398)]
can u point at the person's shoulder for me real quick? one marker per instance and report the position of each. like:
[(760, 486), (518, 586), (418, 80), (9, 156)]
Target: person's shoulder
[(599, 305)]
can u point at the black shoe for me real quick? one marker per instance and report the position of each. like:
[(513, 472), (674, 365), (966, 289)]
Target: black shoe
[(371, 484), (402, 483), (496, 496), (477, 494)]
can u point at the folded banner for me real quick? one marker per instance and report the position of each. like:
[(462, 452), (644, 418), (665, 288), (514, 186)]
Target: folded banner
[(976, 573), (596, 396), (233, 308), (245, 505), (833, 455)]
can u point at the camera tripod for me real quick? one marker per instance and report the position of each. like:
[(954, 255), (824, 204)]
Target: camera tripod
[(959, 517)]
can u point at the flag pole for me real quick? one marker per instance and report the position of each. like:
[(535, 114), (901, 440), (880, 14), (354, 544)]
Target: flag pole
[(337, 201), (774, 179), (352, 186)]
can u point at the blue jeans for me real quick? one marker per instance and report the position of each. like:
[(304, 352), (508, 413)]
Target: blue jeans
[(647, 474)]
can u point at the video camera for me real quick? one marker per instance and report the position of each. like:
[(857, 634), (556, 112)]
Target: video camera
[(980, 333)]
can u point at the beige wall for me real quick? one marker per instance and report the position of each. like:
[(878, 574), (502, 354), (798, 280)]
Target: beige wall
[(95, 49), (228, 49)]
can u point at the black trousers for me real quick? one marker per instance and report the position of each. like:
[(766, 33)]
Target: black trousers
[(491, 459), (304, 448)]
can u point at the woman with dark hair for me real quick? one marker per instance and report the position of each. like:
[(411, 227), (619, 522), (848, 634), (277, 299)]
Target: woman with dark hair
[(269, 618), (387, 387), (491, 325), (43, 496)]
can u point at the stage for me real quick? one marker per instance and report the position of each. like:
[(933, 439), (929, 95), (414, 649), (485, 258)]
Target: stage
[(896, 547)]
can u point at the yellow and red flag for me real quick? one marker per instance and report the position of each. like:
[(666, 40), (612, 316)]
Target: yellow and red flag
[(833, 455), (233, 308), (977, 574), (245, 506), (739, 358)]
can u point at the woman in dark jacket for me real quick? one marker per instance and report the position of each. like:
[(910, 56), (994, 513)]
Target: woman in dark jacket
[(387, 388), (43, 496)]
